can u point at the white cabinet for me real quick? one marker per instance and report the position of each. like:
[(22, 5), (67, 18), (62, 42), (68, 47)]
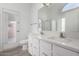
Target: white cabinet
[(59, 51), (35, 47), (45, 48), (38, 47), (30, 45)]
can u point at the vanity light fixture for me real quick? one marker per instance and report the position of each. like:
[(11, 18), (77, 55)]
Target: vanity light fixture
[(46, 4)]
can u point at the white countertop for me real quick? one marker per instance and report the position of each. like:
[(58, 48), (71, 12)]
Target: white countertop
[(71, 44), (67, 43)]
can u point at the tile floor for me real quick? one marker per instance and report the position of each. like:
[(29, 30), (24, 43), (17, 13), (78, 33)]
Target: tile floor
[(15, 52)]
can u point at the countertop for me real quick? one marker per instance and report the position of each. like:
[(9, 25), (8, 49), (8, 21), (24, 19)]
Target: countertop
[(67, 43)]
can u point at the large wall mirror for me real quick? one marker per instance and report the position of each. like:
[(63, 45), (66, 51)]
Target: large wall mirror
[(53, 18), (50, 17)]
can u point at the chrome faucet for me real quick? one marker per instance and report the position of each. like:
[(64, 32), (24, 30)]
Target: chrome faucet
[(62, 35), (41, 33)]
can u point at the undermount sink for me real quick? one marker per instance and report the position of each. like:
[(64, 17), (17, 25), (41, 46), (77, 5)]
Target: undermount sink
[(64, 40)]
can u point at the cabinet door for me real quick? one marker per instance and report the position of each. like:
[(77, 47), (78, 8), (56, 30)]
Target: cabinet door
[(45, 48), (35, 51), (30, 45), (59, 51), (35, 47)]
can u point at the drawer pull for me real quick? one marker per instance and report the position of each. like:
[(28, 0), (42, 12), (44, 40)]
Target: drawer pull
[(45, 54)]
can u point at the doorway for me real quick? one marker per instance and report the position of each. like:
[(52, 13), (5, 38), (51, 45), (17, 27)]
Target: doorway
[(9, 28), (12, 31)]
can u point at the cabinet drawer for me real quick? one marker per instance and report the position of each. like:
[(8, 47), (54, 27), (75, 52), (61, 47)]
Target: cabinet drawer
[(59, 51), (45, 48)]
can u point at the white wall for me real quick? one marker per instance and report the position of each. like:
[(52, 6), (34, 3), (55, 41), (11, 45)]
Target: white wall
[(72, 20), (34, 17)]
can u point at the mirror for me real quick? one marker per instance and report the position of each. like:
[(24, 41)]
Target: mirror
[(54, 19), (49, 16)]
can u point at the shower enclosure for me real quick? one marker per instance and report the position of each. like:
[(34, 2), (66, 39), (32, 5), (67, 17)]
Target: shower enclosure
[(9, 28)]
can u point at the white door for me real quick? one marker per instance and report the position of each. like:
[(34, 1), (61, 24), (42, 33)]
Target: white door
[(4, 27), (18, 26)]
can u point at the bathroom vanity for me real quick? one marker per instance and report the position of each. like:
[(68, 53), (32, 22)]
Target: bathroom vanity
[(53, 46)]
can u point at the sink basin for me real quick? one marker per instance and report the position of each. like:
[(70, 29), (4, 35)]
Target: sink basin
[(64, 40), (51, 37)]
